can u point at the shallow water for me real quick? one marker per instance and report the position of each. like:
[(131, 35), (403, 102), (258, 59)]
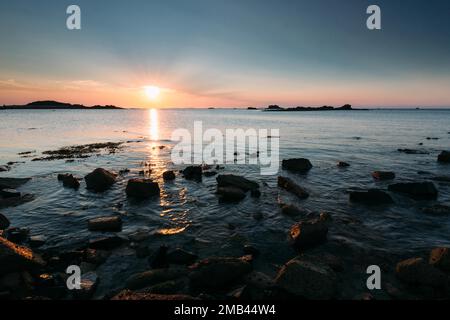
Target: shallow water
[(188, 213)]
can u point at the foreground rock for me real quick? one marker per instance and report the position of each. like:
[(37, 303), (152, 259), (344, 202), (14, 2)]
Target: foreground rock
[(289, 185), (193, 173), (4, 222), (112, 224), (444, 157), (100, 180), (416, 190), (151, 277), (218, 272), (371, 197), (307, 279), (230, 194), (231, 180), (142, 188), (383, 175), (180, 256), (134, 296), (300, 165), (168, 175), (69, 181), (12, 183), (311, 232), (416, 271), (14, 257), (440, 258)]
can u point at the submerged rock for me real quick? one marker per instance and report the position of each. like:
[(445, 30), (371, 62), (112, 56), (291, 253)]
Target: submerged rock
[(383, 175), (230, 194), (159, 258), (371, 197), (311, 232), (17, 235), (100, 180), (440, 258), (12, 183), (36, 241), (168, 175), (4, 222), (416, 271), (289, 185), (113, 224), (231, 180), (69, 181), (210, 173), (342, 164), (4, 168), (307, 279), (151, 277), (142, 188), (14, 257), (180, 256), (89, 282), (292, 210), (10, 193), (106, 243), (300, 165), (413, 151), (193, 173), (416, 190), (437, 209), (444, 157)]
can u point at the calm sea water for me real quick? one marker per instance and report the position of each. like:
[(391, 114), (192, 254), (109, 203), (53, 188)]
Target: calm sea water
[(188, 213)]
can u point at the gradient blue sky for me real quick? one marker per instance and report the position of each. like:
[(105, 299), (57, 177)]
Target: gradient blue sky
[(227, 53)]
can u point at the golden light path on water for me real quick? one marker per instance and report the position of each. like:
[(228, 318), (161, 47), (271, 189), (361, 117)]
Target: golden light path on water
[(154, 124)]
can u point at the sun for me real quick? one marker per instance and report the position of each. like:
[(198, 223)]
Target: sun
[(152, 92)]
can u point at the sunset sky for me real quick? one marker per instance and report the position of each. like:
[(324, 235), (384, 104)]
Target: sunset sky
[(226, 53)]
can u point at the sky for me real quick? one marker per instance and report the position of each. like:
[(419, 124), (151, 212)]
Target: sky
[(226, 53)]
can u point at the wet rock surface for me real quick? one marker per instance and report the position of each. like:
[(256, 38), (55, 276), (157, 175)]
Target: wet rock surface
[(113, 224), (142, 188), (100, 180), (416, 190), (383, 175), (371, 197), (14, 257), (69, 181), (290, 186), (310, 232), (444, 157), (299, 165)]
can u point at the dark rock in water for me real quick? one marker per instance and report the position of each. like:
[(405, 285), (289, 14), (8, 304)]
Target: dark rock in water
[(10, 193), (4, 168), (289, 185), (15, 201), (292, 211), (142, 251), (230, 194), (255, 193), (309, 233), (440, 258), (89, 282), (441, 178), (135, 296), (69, 181), (142, 188), (113, 224), (100, 180), (106, 243), (296, 165), (416, 190), (159, 258), (14, 258), (193, 173), (180, 256), (139, 236), (444, 157), (218, 272), (342, 164), (151, 277), (230, 180), (416, 271), (95, 257), (306, 279), (209, 173), (371, 197), (168, 175), (251, 250), (12, 183), (4, 222), (412, 151), (36, 241), (437, 209), (17, 235), (383, 175)]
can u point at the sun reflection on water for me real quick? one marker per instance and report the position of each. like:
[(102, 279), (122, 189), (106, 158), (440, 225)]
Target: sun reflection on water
[(154, 124)]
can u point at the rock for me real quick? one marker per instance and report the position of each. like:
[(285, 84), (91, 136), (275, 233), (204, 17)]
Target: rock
[(218, 272), (69, 181), (255, 193), (142, 251), (342, 164), (95, 257), (100, 180), (371, 197), (89, 282), (10, 193), (106, 243), (416, 190), (17, 235), (383, 175), (14, 257), (4, 222), (309, 233), (437, 209), (112, 224), (159, 258), (168, 175), (209, 173), (441, 178), (36, 241), (231, 180), (151, 277), (4, 168), (292, 211), (139, 236), (440, 258), (412, 151), (289, 185), (134, 296), (444, 157), (193, 173), (230, 194), (15, 201), (300, 165), (309, 280), (251, 250), (12, 183), (180, 256), (416, 271), (142, 188)]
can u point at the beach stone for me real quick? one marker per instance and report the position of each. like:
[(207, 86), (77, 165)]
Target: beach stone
[(180, 256), (292, 210), (17, 235), (106, 243), (168, 175), (89, 282), (4, 222), (289, 185), (137, 296), (36, 241), (416, 190), (300, 165), (69, 181), (383, 175), (100, 180), (193, 173), (306, 279), (10, 193), (342, 164), (12, 183), (437, 209), (371, 197), (230, 194), (444, 157), (311, 232), (416, 271), (142, 188), (152, 277), (217, 272), (231, 180), (113, 224), (95, 256), (440, 258), (14, 257)]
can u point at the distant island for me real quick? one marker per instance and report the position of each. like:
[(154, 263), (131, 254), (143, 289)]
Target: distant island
[(324, 108), (50, 104)]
